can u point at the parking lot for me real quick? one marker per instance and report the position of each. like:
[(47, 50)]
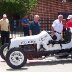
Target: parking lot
[(50, 64)]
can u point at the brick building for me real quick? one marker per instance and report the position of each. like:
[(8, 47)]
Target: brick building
[(49, 10)]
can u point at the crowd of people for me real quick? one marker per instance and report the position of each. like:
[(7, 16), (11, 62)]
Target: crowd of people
[(59, 25), (34, 28)]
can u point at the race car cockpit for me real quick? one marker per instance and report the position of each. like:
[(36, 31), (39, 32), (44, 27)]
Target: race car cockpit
[(66, 37)]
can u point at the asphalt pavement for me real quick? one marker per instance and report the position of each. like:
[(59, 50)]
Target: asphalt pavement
[(49, 64)]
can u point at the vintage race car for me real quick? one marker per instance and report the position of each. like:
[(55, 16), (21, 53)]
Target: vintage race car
[(20, 49)]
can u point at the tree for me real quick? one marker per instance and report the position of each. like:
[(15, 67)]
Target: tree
[(20, 7)]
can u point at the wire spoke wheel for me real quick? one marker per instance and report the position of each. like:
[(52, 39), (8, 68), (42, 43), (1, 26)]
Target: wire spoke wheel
[(16, 58)]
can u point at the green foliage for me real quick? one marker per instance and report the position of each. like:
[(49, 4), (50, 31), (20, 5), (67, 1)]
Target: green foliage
[(21, 7)]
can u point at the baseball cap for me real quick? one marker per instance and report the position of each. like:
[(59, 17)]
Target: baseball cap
[(4, 15), (69, 17)]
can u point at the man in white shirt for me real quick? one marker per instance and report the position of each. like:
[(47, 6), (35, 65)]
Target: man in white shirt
[(57, 27)]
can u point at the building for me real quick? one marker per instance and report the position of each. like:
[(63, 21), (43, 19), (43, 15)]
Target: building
[(49, 10)]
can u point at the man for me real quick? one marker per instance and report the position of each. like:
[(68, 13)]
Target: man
[(69, 23), (35, 26), (5, 28), (57, 28), (25, 24)]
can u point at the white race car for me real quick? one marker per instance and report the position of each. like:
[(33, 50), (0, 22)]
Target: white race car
[(20, 49)]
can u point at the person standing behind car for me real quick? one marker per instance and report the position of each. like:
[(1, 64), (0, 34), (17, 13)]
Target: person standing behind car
[(35, 26), (69, 22), (25, 24), (5, 28), (57, 28)]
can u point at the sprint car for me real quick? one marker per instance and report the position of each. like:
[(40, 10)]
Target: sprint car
[(20, 49)]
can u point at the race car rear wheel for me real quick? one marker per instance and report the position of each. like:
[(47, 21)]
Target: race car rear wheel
[(4, 50), (16, 58)]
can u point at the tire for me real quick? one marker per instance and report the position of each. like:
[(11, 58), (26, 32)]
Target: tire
[(16, 58), (4, 50)]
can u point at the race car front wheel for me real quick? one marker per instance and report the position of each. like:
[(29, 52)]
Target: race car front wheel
[(16, 58)]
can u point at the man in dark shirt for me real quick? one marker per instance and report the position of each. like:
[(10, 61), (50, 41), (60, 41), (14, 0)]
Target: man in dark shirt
[(25, 24), (34, 28)]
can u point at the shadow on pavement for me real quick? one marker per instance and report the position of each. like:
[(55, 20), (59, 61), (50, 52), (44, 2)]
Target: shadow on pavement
[(16, 69), (49, 63), (2, 61)]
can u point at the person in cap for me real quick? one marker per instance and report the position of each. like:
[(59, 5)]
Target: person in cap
[(69, 22), (57, 28), (5, 28), (34, 28)]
